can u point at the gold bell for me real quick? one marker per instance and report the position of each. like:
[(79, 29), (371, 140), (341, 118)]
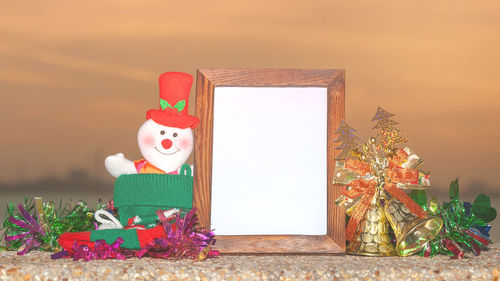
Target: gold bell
[(412, 232), (371, 237)]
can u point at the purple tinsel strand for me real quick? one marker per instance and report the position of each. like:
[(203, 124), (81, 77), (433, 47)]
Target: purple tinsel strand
[(61, 254), (31, 220), (19, 223), (16, 237), (30, 238)]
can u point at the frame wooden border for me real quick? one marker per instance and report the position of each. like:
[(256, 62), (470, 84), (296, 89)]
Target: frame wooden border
[(207, 80)]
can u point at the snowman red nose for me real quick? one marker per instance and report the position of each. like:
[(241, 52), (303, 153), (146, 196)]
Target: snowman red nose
[(166, 143)]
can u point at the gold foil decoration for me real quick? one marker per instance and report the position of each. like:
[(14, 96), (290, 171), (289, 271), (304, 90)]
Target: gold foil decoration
[(433, 205), (40, 214), (342, 175)]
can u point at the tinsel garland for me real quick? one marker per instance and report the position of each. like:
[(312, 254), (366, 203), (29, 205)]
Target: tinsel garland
[(36, 226), (182, 241), (466, 226)]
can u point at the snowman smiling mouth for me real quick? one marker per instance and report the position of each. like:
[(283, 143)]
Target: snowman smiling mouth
[(176, 150)]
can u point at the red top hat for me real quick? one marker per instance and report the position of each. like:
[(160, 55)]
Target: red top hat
[(174, 96)]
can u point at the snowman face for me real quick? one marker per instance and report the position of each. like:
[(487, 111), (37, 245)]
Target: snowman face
[(166, 148)]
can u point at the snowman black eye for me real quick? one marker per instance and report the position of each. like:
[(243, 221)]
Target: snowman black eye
[(175, 135), (162, 132)]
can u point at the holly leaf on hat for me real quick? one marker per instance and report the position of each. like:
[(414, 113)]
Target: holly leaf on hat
[(180, 105), (164, 104)]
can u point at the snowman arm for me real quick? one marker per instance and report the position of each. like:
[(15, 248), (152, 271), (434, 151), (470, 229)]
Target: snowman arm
[(118, 165)]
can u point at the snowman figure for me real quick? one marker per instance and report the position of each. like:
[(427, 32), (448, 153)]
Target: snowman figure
[(165, 141), (166, 138)]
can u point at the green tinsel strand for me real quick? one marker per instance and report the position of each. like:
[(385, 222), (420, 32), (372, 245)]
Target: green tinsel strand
[(456, 222), (67, 217)]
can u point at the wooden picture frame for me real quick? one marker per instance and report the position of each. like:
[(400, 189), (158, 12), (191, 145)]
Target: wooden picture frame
[(207, 80)]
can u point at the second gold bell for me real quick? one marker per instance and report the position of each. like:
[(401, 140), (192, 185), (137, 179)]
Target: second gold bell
[(412, 233)]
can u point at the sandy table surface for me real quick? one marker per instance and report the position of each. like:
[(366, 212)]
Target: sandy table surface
[(39, 266)]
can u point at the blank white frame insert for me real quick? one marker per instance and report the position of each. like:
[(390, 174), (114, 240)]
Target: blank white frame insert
[(269, 163)]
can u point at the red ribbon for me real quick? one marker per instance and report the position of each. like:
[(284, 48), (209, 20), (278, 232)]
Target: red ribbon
[(359, 188), (367, 188), (453, 247)]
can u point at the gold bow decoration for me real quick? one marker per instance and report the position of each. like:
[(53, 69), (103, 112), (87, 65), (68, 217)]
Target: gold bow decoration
[(376, 170), (374, 180)]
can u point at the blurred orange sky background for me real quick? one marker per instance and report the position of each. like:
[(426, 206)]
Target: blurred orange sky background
[(77, 77)]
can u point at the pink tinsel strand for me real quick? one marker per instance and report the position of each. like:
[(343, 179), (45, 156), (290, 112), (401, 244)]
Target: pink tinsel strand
[(181, 241)]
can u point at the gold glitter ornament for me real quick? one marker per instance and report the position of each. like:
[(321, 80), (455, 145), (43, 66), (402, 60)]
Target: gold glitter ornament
[(347, 140), (355, 153), (388, 135), (366, 148)]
